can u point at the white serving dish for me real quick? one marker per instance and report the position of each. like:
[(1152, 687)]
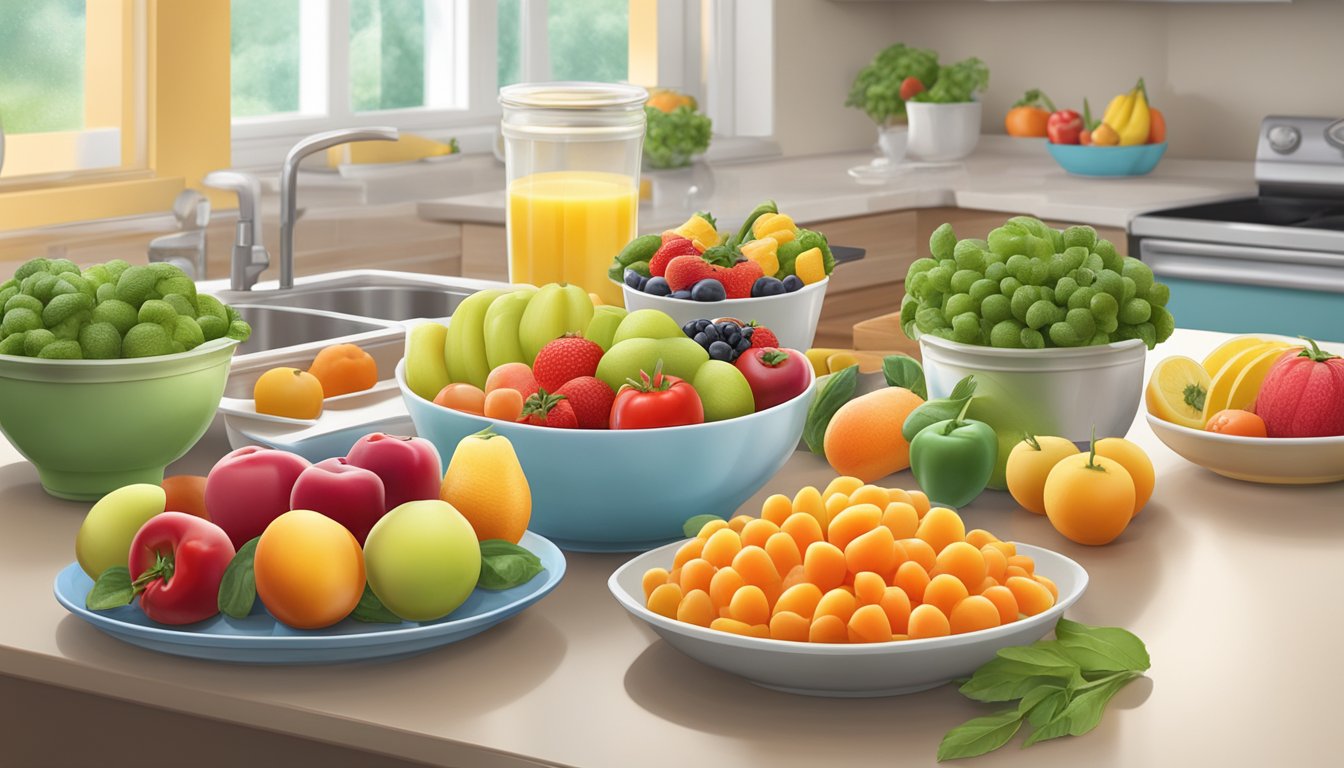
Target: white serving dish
[(852, 670), (792, 316), (1274, 460), (942, 132), (343, 421)]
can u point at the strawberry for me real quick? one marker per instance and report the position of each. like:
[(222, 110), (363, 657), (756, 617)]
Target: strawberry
[(737, 281), (670, 249), (591, 399), (547, 410), (685, 271), (763, 337), (910, 87), (565, 358)]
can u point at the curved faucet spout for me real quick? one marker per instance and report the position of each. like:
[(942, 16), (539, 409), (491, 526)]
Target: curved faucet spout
[(289, 179)]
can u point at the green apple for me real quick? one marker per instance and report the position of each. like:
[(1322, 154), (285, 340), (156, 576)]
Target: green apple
[(422, 560), (602, 328), (647, 324), (104, 539), (724, 391), (681, 357)]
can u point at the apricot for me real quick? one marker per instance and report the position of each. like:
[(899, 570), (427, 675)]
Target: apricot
[(755, 533), (787, 625), (723, 586), (824, 565), (688, 552), (928, 621), (896, 604), (913, 580), (869, 624), (995, 562), (869, 588), (777, 509), (972, 614), (852, 522), (841, 485), (666, 598), (828, 629), (964, 561), (749, 606), (1003, 600), (808, 501), (873, 551), (696, 575), (921, 552), (736, 627), (696, 608), (721, 547), (1032, 596), (784, 552), (901, 518), (653, 578), (801, 599), (804, 529), (940, 527), (838, 602), (944, 592)]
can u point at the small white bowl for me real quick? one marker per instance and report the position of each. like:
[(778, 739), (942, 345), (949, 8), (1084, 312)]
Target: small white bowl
[(792, 316), (942, 132), (848, 670), (1274, 460)]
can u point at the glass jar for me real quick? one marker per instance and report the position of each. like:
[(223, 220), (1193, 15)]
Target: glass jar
[(571, 157)]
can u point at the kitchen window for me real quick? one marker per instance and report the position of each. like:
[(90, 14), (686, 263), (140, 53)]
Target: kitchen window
[(434, 66)]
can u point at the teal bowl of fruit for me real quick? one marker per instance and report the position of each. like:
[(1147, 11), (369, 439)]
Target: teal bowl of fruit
[(630, 490), (1092, 160), (92, 426)]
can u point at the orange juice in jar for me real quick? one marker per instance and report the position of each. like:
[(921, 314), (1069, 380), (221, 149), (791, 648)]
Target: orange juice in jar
[(571, 156)]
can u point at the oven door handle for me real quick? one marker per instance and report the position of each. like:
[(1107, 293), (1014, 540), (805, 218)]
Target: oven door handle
[(1242, 265)]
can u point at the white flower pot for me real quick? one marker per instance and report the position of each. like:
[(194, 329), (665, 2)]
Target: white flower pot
[(942, 132)]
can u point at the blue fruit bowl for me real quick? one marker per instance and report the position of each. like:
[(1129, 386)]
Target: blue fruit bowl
[(1091, 160), (629, 490)]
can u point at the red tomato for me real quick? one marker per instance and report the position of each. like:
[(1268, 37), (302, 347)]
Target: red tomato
[(663, 401), (1236, 422), (176, 563), (774, 375)]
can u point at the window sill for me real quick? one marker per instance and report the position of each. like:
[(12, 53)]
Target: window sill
[(30, 208)]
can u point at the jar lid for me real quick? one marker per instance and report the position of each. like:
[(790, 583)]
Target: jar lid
[(573, 95)]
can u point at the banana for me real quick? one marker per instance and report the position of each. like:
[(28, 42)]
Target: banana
[(557, 309), (602, 328), (426, 371), (464, 345), (501, 327), (1113, 109), (1135, 131), (818, 357)]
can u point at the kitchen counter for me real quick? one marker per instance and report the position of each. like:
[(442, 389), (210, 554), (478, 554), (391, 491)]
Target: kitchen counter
[(1230, 584), (1008, 175)]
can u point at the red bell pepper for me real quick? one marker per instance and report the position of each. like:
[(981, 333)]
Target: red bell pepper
[(1064, 127), (177, 562)]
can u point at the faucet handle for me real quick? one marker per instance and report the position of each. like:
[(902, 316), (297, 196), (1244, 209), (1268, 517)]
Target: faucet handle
[(248, 189)]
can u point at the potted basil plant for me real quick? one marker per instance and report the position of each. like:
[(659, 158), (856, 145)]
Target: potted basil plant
[(945, 118), (883, 88)]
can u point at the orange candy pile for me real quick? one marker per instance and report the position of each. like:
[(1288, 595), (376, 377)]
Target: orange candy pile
[(852, 564)]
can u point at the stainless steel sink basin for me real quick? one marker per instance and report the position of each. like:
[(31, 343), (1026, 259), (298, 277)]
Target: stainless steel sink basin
[(276, 327), (383, 302)]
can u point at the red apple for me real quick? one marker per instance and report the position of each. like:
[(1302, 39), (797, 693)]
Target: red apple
[(249, 488), (409, 466), (350, 495)]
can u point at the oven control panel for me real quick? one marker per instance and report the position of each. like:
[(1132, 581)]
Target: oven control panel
[(1300, 151)]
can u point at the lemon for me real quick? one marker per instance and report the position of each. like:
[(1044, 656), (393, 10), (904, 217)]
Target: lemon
[(1227, 350), (1177, 390), (1222, 382), (1247, 385)]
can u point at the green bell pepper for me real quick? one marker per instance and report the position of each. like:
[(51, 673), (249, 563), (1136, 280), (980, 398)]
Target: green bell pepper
[(953, 460)]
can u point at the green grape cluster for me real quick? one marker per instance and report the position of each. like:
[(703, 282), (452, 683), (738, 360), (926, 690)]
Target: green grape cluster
[(51, 309), (1030, 286)]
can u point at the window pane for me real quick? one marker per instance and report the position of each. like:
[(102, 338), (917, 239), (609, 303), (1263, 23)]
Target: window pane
[(41, 65), (510, 43), (589, 39), (265, 56), (387, 54)]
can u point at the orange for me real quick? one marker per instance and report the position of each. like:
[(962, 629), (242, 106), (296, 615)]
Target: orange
[(1089, 500), (288, 392), (185, 493), (1236, 422), (864, 437), (309, 570), (1140, 468), (344, 368)]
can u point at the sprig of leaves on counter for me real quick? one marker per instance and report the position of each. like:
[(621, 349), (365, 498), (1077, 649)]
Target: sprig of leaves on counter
[(838, 390), (1061, 687)]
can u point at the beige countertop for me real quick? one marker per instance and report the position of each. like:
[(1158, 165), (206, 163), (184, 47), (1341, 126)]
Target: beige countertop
[(1233, 587), (1004, 174)]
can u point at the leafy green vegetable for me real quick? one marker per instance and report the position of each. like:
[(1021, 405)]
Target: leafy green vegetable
[(505, 565), (956, 83), (112, 590), (839, 389), (877, 88), (672, 138), (905, 372), (238, 587), (371, 610), (1062, 687)]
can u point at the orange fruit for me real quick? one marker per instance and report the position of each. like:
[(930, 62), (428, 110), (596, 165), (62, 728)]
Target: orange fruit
[(1089, 501), (185, 493), (864, 437), (344, 368), (1140, 468), (462, 397), (309, 570), (288, 392)]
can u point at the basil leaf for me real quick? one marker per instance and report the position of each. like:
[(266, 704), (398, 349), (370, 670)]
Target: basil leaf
[(692, 527), (1015, 671), (839, 389), (1042, 703), (112, 590), (238, 588), (905, 372), (1084, 710), (505, 565), (979, 736), (371, 610), (939, 409), (1102, 649), (963, 390)]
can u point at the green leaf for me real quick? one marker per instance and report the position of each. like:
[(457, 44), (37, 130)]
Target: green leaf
[(939, 409), (112, 590), (692, 526), (1102, 649), (839, 389), (1042, 703), (505, 565), (1084, 709), (1017, 670), (905, 372), (371, 610), (238, 588), (980, 735)]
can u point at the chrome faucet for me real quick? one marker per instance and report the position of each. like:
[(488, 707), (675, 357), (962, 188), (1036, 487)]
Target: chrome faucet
[(250, 258), (186, 248), (289, 179)]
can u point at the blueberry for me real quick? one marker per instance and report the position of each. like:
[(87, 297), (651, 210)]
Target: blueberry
[(792, 283), (708, 289), (747, 331), (690, 329), (720, 351), (727, 328), (657, 286), (767, 286), (681, 295), (632, 278), (734, 338), (712, 333), (743, 346), (643, 283), (701, 339)]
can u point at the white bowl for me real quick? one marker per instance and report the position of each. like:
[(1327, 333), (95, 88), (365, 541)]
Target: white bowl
[(792, 316), (942, 132), (853, 670), (1275, 460)]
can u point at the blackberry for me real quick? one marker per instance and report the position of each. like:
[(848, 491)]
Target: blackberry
[(724, 340)]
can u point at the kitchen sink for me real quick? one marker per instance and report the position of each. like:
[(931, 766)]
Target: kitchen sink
[(383, 302), (277, 327)]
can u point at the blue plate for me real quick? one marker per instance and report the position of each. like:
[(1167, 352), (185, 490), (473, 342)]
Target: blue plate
[(1091, 160), (260, 639)]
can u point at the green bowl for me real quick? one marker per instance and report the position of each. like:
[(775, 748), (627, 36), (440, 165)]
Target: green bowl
[(92, 426)]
